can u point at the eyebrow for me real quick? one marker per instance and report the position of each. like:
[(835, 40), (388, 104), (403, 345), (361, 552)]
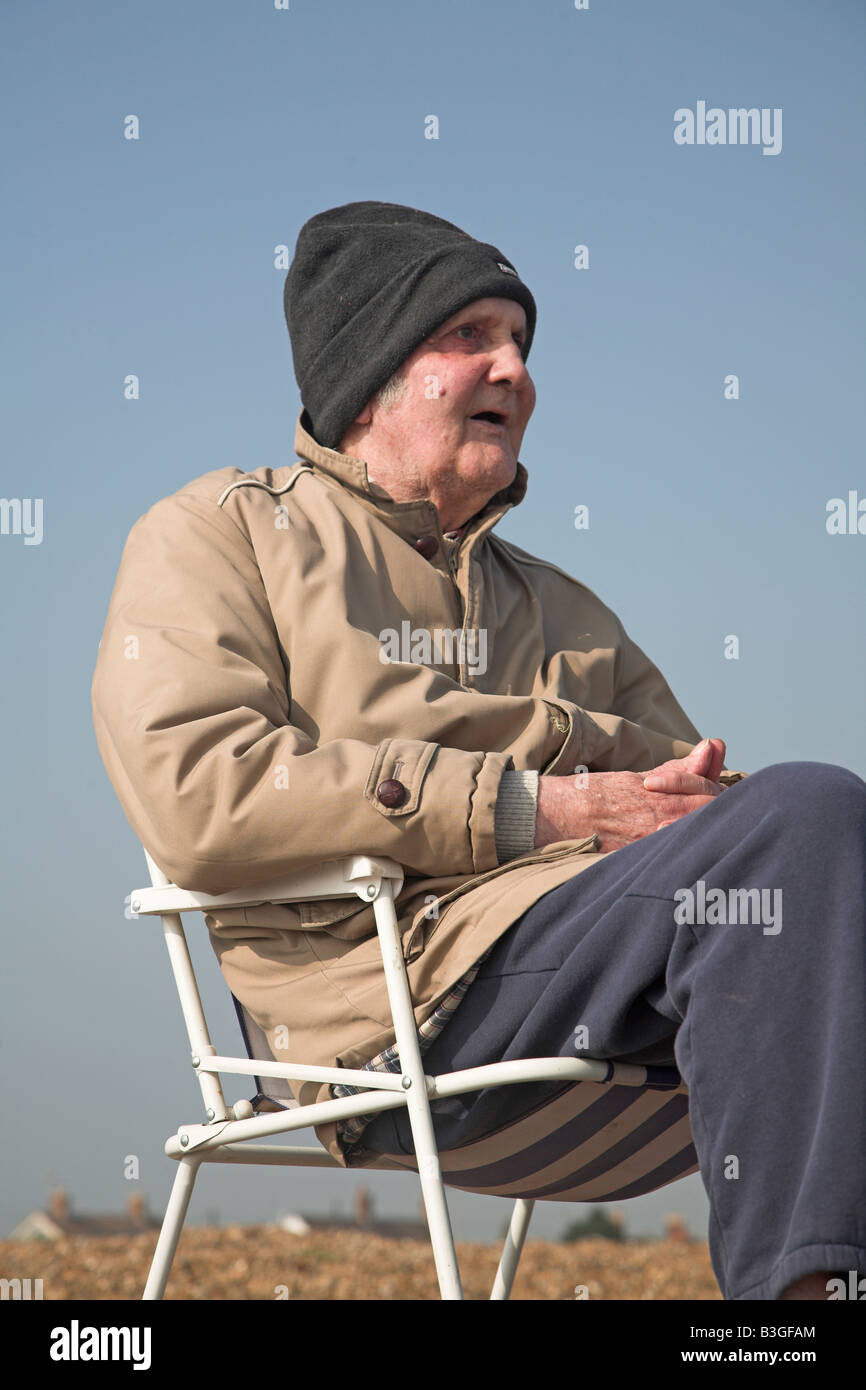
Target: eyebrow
[(481, 316)]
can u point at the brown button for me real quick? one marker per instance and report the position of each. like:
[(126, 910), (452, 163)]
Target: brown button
[(391, 793), (427, 546)]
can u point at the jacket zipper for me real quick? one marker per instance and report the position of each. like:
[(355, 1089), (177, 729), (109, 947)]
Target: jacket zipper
[(461, 657)]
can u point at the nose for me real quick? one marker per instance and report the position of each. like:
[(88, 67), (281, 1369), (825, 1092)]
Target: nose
[(508, 366)]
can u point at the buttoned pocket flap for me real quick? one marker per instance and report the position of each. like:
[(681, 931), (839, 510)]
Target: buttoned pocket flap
[(400, 760)]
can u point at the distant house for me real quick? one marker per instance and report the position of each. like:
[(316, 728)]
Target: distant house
[(398, 1228), (58, 1220)]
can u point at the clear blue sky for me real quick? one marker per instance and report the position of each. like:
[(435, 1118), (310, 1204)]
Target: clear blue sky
[(156, 257)]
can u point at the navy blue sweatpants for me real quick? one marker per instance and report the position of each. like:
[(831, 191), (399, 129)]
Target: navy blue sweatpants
[(759, 1002)]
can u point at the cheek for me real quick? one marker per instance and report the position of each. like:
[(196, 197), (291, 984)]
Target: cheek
[(437, 427), (457, 381), (446, 413)]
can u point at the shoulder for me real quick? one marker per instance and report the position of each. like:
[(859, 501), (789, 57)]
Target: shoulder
[(226, 486), (223, 497), (548, 579)]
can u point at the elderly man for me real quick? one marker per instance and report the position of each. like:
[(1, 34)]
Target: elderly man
[(342, 656)]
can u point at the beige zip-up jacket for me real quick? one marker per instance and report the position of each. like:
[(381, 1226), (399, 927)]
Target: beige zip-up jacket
[(279, 644)]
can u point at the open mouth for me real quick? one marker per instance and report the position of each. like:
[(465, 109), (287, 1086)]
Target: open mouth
[(492, 417)]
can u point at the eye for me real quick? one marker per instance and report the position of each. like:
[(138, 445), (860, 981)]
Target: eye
[(467, 328)]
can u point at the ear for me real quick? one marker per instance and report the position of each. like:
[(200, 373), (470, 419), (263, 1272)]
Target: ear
[(349, 439)]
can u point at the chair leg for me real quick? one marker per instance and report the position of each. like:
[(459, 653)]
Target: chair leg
[(435, 1202), (512, 1248), (172, 1225), (418, 1102)]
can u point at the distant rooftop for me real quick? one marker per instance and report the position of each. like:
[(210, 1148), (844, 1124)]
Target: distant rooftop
[(398, 1228), (58, 1220)]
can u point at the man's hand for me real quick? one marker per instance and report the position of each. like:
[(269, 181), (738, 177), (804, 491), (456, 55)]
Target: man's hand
[(691, 773), (621, 807)]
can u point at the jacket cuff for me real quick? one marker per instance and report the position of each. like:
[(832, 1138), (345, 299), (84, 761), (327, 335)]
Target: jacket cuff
[(516, 807), (581, 737)]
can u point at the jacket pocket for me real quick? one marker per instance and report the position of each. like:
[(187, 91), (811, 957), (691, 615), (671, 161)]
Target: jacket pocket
[(360, 983), (325, 912), (413, 939)]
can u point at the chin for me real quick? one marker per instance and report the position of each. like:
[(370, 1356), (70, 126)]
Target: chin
[(491, 469), (506, 472)]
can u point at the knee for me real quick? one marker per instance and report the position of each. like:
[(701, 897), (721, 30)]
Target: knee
[(817, 792)]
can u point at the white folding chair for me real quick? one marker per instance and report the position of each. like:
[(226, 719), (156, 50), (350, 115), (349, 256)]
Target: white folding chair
[(228, 1133)]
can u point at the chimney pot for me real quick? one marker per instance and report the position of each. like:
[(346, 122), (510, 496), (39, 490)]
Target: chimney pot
[(363, 1206), (135, 1207), (58, 1204), (676, 1229)]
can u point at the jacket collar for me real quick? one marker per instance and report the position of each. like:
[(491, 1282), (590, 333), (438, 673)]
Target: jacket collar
[(408, 519)]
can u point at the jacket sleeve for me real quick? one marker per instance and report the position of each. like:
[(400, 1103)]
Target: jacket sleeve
[(192, 718), (641, 724)]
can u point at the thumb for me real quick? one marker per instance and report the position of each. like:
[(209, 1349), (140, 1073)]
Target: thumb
[(717, 761), (701, 757)]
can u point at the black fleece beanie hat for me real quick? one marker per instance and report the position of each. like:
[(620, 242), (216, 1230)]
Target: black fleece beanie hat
[(368, 283)]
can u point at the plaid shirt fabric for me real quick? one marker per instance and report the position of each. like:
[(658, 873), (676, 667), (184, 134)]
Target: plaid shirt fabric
[(349, 1131)]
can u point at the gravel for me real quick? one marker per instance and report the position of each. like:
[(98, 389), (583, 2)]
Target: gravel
[(265, 1262)]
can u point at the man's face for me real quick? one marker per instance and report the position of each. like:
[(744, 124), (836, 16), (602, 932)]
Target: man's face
[(433, 438)]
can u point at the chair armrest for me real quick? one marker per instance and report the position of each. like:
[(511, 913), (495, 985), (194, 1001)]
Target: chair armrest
[(360, 876)]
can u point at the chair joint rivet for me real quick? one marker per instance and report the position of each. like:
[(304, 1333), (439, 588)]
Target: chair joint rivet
[(406, 1082), (196, 1061), (184, 1140), (209, 1113)]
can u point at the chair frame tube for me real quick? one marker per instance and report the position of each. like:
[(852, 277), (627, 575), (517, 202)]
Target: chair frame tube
[(169, 1235)]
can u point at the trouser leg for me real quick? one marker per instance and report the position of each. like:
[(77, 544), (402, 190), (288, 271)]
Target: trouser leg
[(773, 1036), (766, 1019)]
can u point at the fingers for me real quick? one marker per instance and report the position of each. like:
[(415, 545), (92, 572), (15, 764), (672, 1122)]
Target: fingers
[(706, 760), (664, 781), (681, 803), (692, 803), (717, 762), (700, 758), (677, 783)]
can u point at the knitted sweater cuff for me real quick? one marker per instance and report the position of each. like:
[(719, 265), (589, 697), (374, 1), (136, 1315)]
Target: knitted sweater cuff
[(516, 807)]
